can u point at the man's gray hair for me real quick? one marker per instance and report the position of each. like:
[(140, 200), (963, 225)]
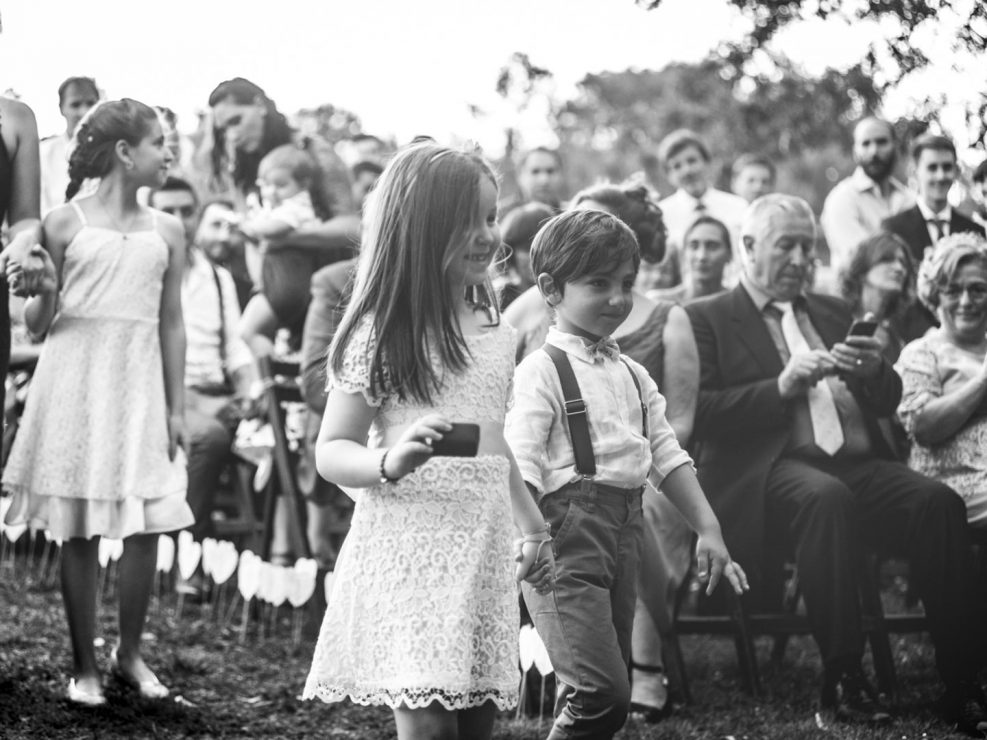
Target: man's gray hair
[(758, 212)]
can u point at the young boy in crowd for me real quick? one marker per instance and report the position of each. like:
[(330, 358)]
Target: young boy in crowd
[(588, 430)]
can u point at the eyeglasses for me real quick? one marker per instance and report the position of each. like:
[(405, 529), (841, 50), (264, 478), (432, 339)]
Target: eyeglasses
[(953, 291), (181, 211)]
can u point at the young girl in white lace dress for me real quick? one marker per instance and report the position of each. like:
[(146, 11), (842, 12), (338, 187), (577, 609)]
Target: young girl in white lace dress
[(423, 613), (96, 453)]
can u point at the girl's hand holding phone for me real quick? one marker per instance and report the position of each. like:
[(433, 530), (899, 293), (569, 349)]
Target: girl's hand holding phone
[(414, 446)]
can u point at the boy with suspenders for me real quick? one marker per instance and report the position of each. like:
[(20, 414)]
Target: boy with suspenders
[(588, 430)]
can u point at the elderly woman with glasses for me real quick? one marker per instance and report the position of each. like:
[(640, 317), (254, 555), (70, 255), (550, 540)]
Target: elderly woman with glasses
[(944, 373)]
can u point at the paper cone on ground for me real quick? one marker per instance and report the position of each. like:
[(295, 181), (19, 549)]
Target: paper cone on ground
[(109, 550), (303, 577), (208, 555), (542, 663), (248, 575), (166, 554), (278, 589), (189, 554), (526, 646), (265, 584), (224, 561), (13, 532)]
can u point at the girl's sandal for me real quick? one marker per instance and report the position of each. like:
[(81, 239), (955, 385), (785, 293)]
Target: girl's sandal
[(150, 688)]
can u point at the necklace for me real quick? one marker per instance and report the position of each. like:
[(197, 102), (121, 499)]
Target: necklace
[(124, 232)]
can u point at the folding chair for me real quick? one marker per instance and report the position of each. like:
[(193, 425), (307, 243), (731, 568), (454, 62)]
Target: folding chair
[(281, 387), (743, 626)]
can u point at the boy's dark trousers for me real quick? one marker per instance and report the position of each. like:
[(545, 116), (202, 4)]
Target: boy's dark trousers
[(586, 621)]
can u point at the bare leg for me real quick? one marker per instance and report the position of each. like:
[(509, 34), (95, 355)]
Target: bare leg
[(477, 723), (429, 723), (137, 566), (79, 579)]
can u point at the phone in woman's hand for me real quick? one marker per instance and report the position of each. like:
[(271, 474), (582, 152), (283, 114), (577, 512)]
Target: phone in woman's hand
[(862, 328)]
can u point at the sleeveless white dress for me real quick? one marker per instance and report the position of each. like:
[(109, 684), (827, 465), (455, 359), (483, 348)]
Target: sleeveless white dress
[(91, 454), (423, 606)]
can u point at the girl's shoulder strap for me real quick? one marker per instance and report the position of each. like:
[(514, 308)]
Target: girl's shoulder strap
[(79, 212)]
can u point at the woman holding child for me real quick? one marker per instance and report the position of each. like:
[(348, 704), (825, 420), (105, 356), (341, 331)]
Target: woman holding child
[(247, 127)]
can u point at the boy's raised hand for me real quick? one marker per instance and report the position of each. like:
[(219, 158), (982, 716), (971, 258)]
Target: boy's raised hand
[(714, 562)]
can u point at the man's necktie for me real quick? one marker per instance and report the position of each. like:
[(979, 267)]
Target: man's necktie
[(700, 208), (826, 426), (938, 229)]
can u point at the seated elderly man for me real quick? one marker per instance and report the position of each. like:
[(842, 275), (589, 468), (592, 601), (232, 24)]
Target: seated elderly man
[(789, 450)]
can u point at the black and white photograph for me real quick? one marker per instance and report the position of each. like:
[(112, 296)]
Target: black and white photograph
[(530, 370)]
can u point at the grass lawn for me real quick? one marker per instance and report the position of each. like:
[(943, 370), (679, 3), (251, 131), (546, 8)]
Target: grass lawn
[(222, 687)]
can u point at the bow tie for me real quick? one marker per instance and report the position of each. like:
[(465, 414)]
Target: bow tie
[(604, 349)]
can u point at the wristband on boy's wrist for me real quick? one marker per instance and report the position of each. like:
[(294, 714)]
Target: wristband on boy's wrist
[(384, 477)]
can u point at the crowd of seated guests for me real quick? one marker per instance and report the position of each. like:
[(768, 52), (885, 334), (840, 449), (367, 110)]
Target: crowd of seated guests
[(799, 432)]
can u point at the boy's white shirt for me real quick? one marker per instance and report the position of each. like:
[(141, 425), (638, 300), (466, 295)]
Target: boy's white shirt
[(538, 434)]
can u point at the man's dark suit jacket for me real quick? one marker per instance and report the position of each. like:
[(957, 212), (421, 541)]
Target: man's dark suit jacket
[(742, 423), (910, 225)]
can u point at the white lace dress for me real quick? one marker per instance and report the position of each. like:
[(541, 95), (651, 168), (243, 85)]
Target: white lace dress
[(91, 454), (423, 605)]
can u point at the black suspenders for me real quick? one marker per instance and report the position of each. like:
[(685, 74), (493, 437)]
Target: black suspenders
[(575, 410)]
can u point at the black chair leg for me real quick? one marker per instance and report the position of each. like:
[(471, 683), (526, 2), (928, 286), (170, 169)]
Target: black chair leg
[(744, 641), (877, 634), (675, 664)]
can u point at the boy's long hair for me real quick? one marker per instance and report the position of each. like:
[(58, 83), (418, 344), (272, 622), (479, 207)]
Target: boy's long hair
[(420, 213)]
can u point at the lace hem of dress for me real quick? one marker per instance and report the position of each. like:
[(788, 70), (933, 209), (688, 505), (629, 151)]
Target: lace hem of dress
[(413, 698)]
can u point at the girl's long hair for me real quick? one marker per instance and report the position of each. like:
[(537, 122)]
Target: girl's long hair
[(97, 135), (277, 131), (420, 213)]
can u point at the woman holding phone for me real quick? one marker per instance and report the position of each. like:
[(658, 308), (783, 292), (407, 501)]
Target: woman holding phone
[(878, 283)]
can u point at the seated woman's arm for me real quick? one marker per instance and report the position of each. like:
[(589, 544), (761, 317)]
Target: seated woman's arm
[(930, 416)]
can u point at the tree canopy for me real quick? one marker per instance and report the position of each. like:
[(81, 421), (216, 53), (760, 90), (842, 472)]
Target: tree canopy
[(767, 17)]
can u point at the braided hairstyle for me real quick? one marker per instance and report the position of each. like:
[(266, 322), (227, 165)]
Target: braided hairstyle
[(634, 204), (97, 135)]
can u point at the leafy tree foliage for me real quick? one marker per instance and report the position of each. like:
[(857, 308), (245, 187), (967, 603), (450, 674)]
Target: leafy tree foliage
[(612, 127), (769, 16)]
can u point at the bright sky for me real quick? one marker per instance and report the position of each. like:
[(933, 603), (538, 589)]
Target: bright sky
[(406, 67)]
